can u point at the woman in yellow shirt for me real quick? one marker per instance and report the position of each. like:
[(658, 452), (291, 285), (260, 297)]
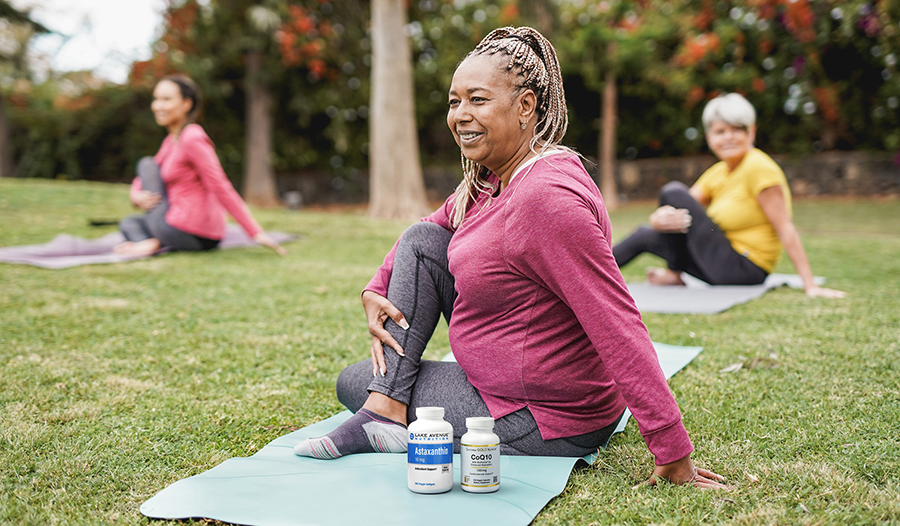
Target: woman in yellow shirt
[(730, 226)]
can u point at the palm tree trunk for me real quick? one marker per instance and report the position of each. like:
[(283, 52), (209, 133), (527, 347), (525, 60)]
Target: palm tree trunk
[(259, 179), (396, 186), (6, 152), (608, 139)]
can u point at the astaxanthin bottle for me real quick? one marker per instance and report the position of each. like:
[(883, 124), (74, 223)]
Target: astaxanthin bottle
[(430, 452)]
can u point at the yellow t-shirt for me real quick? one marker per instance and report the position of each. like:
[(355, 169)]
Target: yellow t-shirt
[(734, 207)]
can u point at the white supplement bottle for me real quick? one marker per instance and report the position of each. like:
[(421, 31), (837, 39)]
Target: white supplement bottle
[(430, 452), (479, 456)]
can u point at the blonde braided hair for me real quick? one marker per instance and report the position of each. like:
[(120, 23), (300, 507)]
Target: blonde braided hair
[(532, 59)]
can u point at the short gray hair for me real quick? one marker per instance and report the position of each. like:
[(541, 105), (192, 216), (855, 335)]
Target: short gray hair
[(732, 109)]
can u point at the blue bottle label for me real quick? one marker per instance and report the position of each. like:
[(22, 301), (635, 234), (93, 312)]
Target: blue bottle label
[(440, 453)]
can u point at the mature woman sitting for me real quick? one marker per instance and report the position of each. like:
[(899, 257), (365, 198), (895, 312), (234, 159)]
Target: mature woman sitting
[(730, 226), (182, 189), (519, 261)]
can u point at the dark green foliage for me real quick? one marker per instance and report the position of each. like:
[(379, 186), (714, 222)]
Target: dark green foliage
[(821, 74), (101, 141), (320, 100), (16, 16)]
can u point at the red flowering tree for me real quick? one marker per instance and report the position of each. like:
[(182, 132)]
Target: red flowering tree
[(608, 49), (247, 53), (310, 60), (822, 74)]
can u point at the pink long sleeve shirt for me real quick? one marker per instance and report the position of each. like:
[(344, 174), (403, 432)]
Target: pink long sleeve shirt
[(199, 192), (543, 319)]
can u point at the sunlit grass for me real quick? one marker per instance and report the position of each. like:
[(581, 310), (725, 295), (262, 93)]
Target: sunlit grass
[(121, 379)]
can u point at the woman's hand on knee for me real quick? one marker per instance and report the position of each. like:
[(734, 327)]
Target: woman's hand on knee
[(669, 219), (145, 200), (684, 472), (378, 310)]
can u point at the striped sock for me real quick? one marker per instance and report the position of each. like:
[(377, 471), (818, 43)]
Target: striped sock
[(364, 432)]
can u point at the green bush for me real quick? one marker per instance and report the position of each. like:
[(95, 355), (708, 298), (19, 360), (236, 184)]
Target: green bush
[(822, 75), (98, 136)]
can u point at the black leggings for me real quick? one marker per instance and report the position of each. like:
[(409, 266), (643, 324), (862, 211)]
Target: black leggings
[(703, 252), (153, 223), (422, 288)]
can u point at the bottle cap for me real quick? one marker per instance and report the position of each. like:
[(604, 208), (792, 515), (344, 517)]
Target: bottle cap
[(479, 422), (429, 412)]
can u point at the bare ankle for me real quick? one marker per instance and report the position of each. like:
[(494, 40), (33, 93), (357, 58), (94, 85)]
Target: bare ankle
[(386, 407), (140, 248), (664, 276)]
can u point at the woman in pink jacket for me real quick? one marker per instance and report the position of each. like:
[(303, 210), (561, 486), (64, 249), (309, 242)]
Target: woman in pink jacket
[(548, 341), (183, 189)]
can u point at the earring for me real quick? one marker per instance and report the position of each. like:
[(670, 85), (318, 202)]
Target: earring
[(524, 125)]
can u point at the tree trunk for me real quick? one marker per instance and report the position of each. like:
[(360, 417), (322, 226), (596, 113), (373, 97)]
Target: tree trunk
[(538, 12), (6, 152), (608, 139), (396, 186), (259, 179)]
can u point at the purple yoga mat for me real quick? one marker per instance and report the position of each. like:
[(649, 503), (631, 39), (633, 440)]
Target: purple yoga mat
[(66, 251)]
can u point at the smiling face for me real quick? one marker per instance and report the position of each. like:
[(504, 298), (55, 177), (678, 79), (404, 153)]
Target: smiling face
[(730, 143), (486, 114), (169, 108)]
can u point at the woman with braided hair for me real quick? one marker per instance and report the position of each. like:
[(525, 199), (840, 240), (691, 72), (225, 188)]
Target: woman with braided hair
[(518, 260)]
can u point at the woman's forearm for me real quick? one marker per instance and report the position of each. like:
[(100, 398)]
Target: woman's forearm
[(790, 238)]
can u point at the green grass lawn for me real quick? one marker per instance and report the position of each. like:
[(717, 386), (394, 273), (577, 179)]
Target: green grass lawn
[(118, 380)]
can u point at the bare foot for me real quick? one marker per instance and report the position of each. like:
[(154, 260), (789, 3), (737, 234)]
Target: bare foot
[(142, 248), (664, 276), (123, 247)]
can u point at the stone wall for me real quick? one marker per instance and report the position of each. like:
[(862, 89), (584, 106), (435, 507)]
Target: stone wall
[(320, 187), (829, 173), (842, 173)]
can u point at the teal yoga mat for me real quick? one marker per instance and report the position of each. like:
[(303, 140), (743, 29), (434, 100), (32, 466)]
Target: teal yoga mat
[(276, 487)]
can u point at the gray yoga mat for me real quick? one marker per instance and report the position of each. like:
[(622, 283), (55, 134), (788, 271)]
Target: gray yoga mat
[(66, 251), (697, 297), (275, 487)]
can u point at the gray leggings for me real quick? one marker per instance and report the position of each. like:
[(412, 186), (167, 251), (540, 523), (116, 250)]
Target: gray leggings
[(422, 288), (153, 223)]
